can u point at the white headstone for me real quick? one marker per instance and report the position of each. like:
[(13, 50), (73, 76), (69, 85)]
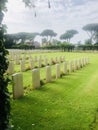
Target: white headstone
[(75, 65), (11, 67), (31, 63), (70, 66), (22, 64), (65, 67), (46, 61), (39, 63), (57, 71), (17, 85), (48, 74), (35, 78)]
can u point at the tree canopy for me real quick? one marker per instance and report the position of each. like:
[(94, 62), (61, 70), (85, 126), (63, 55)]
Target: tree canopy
[(48, 33), (68, 35), (92, 30)]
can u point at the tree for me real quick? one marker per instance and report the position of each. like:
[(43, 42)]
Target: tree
[(68, 35), (96, 38), (48, 33), (56, 42), (10, 40), (88, 42), (4, 94), (32, 36), (23, 36), (91, 30)]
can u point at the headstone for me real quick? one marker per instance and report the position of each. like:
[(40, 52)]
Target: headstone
[(60, 59), (39, 63), (51, 59), (57, 71), (70, 66), (35, 59), (48, 74), (22, 64), (75, 65), (31, 63), (17, 85), (82, 62), (46, 62), (11, 67), (63, 58), (65, 67), (35, 78), (56, 59), (17, 60)]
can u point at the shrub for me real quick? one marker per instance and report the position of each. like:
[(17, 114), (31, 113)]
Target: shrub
[(62, 74), (53, 62), (42, 65), (28, 68)]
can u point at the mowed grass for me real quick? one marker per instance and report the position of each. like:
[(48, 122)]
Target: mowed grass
[(68, 103)]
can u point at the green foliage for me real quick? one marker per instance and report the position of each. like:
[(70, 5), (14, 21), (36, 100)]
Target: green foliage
[(42, 82), (4, 94), (42, 65), (88, 42), (88, 47), (48, 33), (61, 74), (67, 46), (23, 46), (92, 31), (68, 35)]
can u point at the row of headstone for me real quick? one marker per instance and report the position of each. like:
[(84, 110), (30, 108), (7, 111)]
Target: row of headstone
[(16, 51), (18, 77), (32, 63), (77, 63), (18, 57)]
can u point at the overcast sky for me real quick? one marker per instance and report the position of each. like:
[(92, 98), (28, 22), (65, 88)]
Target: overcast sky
[(63, 15)]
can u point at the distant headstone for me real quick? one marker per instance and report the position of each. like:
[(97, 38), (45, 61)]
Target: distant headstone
[(22, 64), (65, 67), (57, 71), (48, 74), (11, 67)]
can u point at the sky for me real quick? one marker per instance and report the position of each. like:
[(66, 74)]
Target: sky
[(62, 16)]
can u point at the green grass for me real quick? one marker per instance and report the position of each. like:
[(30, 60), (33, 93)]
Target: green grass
[(69, 103)]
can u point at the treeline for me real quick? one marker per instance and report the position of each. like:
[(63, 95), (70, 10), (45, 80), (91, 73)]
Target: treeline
[(25, 40), (70, 47)]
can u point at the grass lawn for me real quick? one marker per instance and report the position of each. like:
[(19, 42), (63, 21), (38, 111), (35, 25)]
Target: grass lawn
[(69, 103)]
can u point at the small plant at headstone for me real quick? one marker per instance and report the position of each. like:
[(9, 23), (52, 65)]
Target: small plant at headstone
[(27, 58), (42, 65), (62, 74), (28, 68), (42, 82), (36, 67), (53, 62)]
